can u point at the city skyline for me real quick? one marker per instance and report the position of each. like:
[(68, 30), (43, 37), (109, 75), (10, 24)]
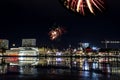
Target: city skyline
[(33, 19)]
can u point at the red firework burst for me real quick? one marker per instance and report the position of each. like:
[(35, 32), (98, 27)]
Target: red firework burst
[(80, 5), (55, 33)]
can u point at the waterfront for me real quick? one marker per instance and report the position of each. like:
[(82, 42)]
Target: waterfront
[(59, 68), (58, 74)]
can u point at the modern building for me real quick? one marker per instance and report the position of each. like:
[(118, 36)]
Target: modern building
[(21, 55), (22, 51), (4, 43), (28, 42)]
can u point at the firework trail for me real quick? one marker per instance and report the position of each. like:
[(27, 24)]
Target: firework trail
[(80, 5)]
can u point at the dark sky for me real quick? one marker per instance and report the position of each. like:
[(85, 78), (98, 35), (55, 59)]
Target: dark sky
[(34, 18)]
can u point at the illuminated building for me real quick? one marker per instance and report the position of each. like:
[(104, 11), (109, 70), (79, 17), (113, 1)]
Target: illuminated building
[(4, 43), (21, 55), (85, 45), (28, 42), (22, 51)]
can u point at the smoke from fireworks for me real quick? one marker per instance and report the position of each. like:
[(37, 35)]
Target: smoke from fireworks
[(55, 33), (80, 6)]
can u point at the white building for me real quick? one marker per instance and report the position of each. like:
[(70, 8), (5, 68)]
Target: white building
[(22, 56), (28, 42), (4, 43)]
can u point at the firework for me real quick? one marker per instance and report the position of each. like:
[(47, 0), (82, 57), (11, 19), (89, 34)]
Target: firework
[(55, 33), (81, 6)]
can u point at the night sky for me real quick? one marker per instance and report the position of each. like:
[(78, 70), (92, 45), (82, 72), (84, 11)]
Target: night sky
[(34, 18)]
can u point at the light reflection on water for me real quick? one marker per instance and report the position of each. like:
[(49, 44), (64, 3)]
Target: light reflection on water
[(35, 66)]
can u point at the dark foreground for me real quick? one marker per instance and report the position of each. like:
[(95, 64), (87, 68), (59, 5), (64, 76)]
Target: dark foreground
[(57, 74)]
